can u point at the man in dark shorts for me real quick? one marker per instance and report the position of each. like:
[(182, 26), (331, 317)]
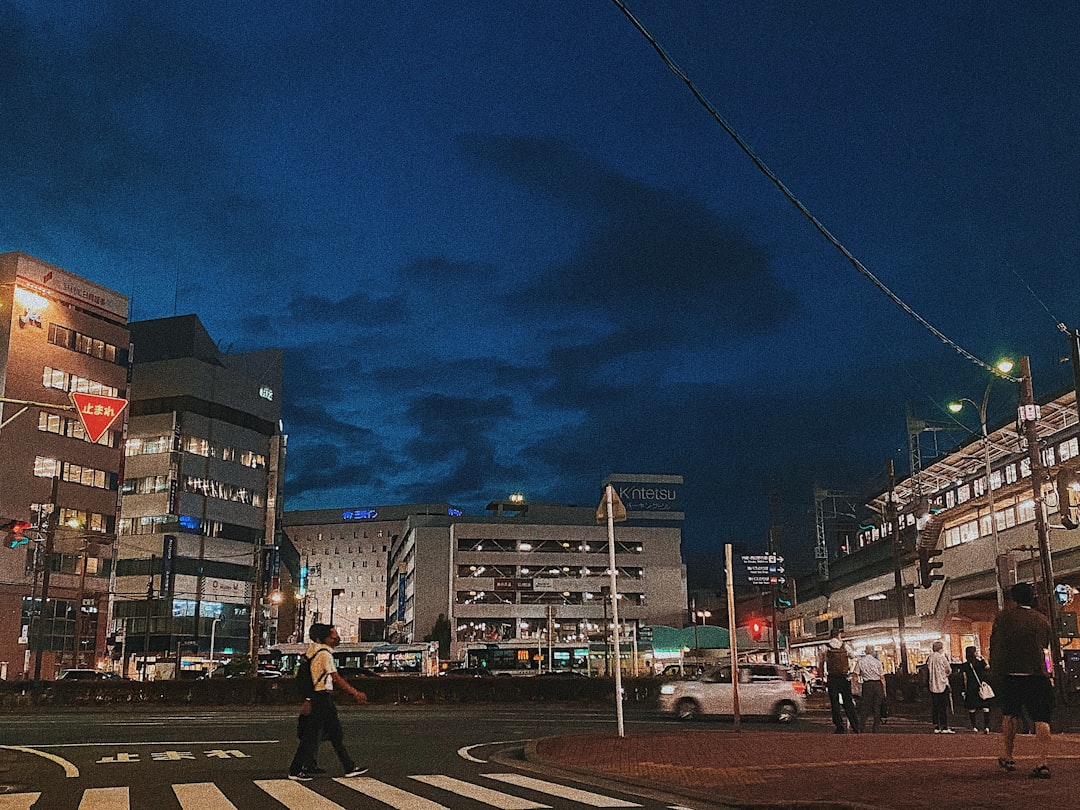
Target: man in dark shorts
[(1018, 646)]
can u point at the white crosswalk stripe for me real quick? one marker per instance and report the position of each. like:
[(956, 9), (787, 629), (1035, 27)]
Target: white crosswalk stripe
[(562, 791), (18, 801), (388, 794), (503, 801), (306, 796), (294, 795), (204, 795), (114, 798)]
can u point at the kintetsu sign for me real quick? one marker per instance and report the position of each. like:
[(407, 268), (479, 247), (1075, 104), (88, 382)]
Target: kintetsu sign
[(98, 413)]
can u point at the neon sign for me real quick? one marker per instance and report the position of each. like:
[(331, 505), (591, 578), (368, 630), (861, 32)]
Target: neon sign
[(360, 514)]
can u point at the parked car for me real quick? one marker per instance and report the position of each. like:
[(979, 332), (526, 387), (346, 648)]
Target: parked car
[(88, 675), (765, 690)]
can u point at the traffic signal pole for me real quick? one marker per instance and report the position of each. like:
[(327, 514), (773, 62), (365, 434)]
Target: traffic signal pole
[(1029, 416), (898, 579)]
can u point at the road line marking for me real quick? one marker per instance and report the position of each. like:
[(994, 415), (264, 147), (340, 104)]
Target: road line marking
[(295, 796), (70, 771), (201, 795), (504, 801), (463, 752), (114, 798), (123, 744), (388, 794), (562, 791), (18, 801)]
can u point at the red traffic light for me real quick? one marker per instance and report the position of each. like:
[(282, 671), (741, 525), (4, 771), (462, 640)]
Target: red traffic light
[(757, 629), (15, 530)]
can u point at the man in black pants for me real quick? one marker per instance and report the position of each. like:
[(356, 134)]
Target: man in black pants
[(837, 666), (319, 711)]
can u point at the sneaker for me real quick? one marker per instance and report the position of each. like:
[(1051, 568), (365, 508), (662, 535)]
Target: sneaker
[(356, 772), (947, 731), (937, 730), (986, 730), (300, 777)]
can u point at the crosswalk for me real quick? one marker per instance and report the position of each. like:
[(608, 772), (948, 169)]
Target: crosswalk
[(492, 791)]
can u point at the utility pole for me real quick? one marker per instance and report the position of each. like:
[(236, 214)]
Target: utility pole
[(1028, 415), (899, 592), (50, 538)]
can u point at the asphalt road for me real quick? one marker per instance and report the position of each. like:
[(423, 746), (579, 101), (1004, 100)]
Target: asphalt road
[(238, 759)]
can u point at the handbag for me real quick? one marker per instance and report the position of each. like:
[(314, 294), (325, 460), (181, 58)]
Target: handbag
[(986, 691)]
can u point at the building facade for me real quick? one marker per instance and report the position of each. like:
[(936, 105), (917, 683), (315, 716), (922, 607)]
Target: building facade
[(531, 572), (973, 511), (202, 496), (59, 334), (337, 560)]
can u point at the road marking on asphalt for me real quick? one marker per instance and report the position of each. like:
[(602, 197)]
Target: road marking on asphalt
[(115, 744), (18, 801), (204, 795), (562, 791), (388, 794), (114, 798), (463, 752), (296, 796), (504, 801), (70, 771)]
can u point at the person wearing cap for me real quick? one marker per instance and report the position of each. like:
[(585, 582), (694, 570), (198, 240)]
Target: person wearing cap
[(1018, 644), (871, 675)]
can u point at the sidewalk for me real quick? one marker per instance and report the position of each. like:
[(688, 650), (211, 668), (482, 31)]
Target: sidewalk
[(717, 768)]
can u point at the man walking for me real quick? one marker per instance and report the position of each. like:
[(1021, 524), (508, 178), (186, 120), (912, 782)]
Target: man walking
[(837, 665), (321, 714), (939, 669), (871, 675), (1018, 644)]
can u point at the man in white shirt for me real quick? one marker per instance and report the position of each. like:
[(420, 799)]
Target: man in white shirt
[(320, 717), (871, 675)]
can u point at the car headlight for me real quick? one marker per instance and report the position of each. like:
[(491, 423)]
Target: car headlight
[(667, 689)]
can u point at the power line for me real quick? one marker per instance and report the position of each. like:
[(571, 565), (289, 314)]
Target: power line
[(847, 254)]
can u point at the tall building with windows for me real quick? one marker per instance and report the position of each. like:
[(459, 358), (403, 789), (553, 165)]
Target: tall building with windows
[(59, 333), (202, 494), (527, 572), (339, 566)]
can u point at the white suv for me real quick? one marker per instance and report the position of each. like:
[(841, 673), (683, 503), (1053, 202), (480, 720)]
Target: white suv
[(766, 690)]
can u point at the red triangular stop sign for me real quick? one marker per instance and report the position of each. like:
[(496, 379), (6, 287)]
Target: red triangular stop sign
[(97, 412)]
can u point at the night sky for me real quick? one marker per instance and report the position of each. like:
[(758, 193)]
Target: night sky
[(505, 249)]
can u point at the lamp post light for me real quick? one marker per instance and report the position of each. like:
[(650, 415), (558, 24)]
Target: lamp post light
[(334, 594), (213, 628), (1004, 366), (702, 615)]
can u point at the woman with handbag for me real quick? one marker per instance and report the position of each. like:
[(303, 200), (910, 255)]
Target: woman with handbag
[(977, 690)]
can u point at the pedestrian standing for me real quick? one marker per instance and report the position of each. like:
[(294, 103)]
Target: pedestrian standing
[(319, 712), (871, 675), (837, 665), (1018, 644), (975, 675), (939, 669)]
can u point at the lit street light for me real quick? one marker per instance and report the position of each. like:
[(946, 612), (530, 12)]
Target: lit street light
[(1004, 366), (702, 615)]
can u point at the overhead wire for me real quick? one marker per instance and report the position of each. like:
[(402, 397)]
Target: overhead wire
[(817, 224)]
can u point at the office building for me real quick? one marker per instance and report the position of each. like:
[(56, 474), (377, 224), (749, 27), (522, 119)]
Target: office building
[(202, 495), (59, 334)]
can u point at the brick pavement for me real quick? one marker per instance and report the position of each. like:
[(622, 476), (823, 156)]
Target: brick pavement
[(721, 768)]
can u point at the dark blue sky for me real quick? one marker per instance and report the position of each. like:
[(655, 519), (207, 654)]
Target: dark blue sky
[(505, 249)]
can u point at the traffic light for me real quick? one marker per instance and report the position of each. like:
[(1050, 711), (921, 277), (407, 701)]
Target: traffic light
[(15, 532), (757, 629), (783, 598), (1068, 492), (928, 564)]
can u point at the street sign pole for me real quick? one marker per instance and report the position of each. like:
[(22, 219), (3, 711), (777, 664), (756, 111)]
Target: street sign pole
[(732, 644)]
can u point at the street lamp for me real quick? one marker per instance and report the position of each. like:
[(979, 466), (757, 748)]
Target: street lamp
[(702, 615), (213, 628), (334, 594), (1004, 366)]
